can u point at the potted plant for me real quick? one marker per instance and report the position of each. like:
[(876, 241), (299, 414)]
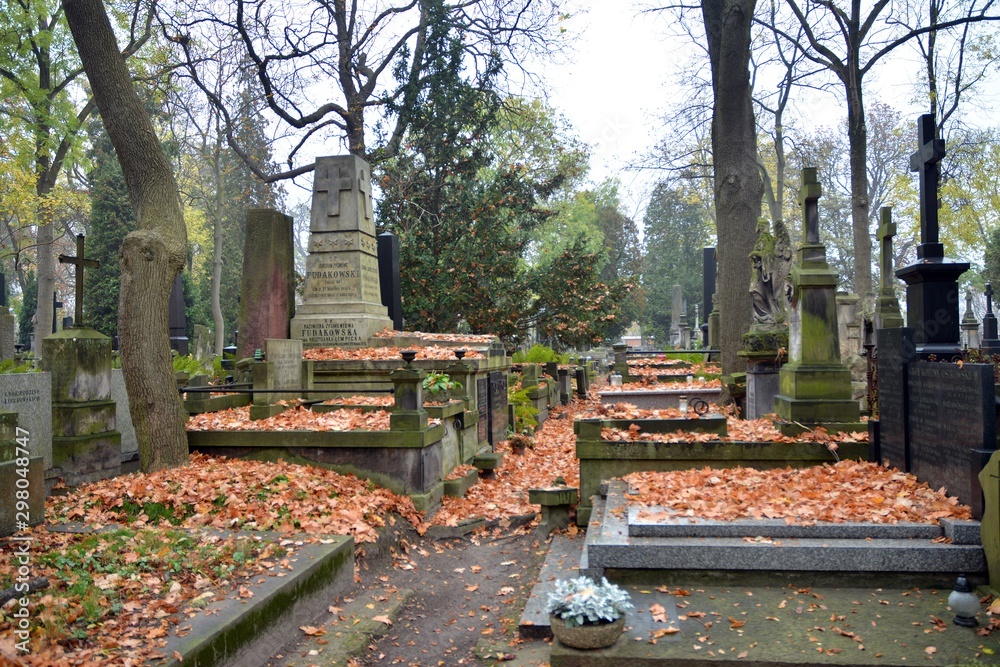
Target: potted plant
[(520, 442), (587, 615), (438, 386)]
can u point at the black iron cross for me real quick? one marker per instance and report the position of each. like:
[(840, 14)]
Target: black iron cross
[(930, 152), (809, 195), (79, 261), (989, 298)]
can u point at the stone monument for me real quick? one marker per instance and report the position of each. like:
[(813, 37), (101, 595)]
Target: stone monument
[(887, 314), (990, 343), (932, 294), (85, 445), (676, 308), (267, 289), (342, 301), (970, 325), (815, 385)]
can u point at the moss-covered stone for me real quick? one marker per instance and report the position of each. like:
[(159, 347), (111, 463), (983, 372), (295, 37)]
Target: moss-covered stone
[(79, 359)]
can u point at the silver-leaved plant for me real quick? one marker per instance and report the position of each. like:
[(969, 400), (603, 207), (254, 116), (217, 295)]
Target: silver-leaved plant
[(581, 601)]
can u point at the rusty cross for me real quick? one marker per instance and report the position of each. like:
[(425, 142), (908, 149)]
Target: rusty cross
[(79, 261)]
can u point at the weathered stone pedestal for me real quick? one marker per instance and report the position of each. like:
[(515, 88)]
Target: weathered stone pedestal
[(815, 385), (267, 289), (932, 298), (85, 445), (22, 480), (282, 369), (763, 381)]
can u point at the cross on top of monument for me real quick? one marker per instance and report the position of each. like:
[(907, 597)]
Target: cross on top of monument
[(809, 195), (332, 178), (79, 261), (887, 228), (989, 298), (930, 151)]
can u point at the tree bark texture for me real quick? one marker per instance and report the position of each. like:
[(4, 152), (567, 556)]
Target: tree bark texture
[(857, 132), (739, 187), (153, 255)]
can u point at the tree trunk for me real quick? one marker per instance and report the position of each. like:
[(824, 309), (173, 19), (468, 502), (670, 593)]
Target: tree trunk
[(153, 255), (217, 319), (857, 132), (738, 184)]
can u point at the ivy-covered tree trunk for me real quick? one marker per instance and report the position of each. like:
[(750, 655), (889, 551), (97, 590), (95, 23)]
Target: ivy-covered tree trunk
[(738, 184), (152, 256)]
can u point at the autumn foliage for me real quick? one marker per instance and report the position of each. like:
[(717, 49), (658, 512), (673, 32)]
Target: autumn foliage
[(846, 491), (293, 419), (437, 352)]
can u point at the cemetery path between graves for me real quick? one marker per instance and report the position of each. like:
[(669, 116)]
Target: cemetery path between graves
[(452, 600)]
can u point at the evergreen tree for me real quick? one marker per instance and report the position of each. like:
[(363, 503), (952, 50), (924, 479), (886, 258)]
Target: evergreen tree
[(111, 218), (463, 217), (675, 233)]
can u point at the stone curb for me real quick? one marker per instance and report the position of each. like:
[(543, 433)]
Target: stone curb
[(234, 631), (474, 524)]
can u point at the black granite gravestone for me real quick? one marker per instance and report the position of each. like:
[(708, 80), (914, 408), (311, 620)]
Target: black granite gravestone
[(388, 275), (952, 426), (932, 294), (483, 407), (498, 407), (708, 270), (990, 342), (896, 351), (177, 318)]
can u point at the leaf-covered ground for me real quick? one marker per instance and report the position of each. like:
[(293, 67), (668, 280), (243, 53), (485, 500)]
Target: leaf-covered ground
[(442, 337), (237, 494), (293, 419), (846, 491), (381, 353)]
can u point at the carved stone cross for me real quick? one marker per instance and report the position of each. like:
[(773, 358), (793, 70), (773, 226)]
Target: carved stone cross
[(809, 195), (79, 262), (326, 181), (365, 187), (930, 152), (886, 232)]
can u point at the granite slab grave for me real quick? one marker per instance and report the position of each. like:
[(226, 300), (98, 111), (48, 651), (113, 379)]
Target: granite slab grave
[(611, 548)]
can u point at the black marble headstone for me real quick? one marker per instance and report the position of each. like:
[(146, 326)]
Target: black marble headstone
[(708, 270), (896, 350), (498, 407), (483, 407), (388, 275), (952, 426), (177, 318)]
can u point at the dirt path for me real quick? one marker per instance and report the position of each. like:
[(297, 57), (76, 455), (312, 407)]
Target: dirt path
[(451, 601), (465, 590)]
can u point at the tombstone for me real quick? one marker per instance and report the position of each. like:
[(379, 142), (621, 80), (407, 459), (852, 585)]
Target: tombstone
[(989, 480), (22, 482), (676, 308), (267, 289), (56, 305), (483, 408), (8, 332), (204, 341), (896, 350), (815, 384), (990, 343), (970, 325), (86, 446), (282, 369), (177, 317), (887, 313), (342, 300), (849, 329), (498, 418), (951, 419), (932, 294), (708, 271), (388, 274)]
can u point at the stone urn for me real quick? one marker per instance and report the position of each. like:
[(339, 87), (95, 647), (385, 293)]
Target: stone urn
[(589, 635)]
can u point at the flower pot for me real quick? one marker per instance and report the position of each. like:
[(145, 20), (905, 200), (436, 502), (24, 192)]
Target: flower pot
[(587, 636)]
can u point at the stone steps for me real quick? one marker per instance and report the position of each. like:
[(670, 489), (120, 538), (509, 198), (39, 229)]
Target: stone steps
[(625, 542)]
